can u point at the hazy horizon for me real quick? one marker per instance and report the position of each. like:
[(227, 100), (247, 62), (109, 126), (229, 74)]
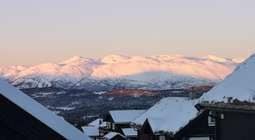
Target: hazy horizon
[(59, 60), (34, 32)]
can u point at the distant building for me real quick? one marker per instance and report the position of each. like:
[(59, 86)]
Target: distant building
[(93, 129), (22, 118), (120, 121), (165, 119)]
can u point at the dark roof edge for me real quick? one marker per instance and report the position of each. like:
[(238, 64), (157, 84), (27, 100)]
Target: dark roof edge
[(234, 107)]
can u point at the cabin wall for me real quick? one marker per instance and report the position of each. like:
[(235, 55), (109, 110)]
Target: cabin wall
[(117, 127), (8, 133), (145, 133), (236, 126), (197, 128), (15, 123)]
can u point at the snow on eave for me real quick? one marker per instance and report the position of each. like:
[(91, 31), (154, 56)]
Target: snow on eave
[(125, 116), (129, 132), (91, 131), (111, 135), (41, 113)]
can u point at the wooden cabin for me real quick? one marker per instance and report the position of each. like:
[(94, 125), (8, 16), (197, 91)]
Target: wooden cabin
[(21, 117), (233, 121), (92, 129), (202, 127), (117, 120), (165, 119), (146, 133), (221, 121), (214, 122)]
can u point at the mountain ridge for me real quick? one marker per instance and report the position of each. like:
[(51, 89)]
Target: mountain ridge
[(162, 71)]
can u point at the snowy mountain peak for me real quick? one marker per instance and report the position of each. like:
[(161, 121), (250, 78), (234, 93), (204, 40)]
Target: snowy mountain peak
[(240, 85), (163, 71)]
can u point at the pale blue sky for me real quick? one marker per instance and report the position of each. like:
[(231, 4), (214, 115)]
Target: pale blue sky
[(35, 31)]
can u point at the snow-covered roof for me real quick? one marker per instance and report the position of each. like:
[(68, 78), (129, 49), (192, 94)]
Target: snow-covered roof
[(239, 85), (170, 114), (112, 135), (125, 116), (91, 130), (96, 122), (47, 117), (129, 132)]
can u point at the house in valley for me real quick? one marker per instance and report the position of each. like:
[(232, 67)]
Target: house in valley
[(119, 120), (22, 117), (93, 129)]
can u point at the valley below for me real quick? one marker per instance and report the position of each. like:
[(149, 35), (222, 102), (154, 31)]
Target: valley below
[(80, 106)]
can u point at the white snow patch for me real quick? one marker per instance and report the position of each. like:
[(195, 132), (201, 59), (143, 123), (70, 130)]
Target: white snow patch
[(65, 108), (129, 132), (100, 92), (112, 135)]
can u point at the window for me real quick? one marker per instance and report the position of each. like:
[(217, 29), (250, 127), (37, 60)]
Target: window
[(211, 119), (108, 125), (113, 126), (162, 137), (222, 116)]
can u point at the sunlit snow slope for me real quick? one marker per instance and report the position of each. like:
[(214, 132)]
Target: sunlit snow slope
[(163, 71)]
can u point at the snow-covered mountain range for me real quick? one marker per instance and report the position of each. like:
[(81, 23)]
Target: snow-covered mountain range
[(149, 72)]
